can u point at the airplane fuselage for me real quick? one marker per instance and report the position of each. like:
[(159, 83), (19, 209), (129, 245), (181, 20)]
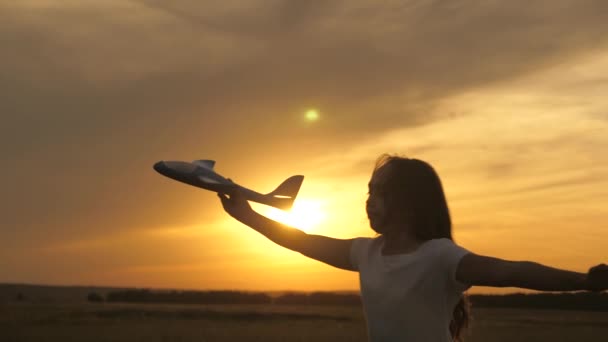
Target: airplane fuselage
[(200, 173), (195, 175)]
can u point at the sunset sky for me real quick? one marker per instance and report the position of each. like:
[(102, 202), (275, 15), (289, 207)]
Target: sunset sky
[(506, 99)]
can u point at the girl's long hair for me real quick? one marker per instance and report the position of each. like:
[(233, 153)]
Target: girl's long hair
[(414, 194)]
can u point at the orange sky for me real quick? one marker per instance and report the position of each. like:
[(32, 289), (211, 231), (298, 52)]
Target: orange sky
[(507, 102)]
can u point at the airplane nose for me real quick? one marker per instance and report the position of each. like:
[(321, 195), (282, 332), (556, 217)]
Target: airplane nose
[(160, 167)]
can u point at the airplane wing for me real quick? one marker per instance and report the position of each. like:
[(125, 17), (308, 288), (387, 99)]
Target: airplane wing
[(207, 164)]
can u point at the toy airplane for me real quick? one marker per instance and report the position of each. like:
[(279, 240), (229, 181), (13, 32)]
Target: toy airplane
[(200, 173)]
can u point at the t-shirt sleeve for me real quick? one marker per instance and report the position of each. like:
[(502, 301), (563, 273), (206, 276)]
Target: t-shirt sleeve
[(450, 256), (358, 252)]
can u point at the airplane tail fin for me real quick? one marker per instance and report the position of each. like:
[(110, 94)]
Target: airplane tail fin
[(284, 195)]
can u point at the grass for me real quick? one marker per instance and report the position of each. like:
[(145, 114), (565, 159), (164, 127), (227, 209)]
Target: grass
[(23, 322)]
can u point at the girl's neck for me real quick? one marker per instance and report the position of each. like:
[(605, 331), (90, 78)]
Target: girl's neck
[(400, 243)]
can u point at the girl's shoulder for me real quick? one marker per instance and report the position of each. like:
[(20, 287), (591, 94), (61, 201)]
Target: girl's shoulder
[(442, 243), (364, 243)]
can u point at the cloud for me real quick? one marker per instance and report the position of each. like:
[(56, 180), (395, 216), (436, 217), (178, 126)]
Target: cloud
[(524, 157), (95, 93), (286, 53)]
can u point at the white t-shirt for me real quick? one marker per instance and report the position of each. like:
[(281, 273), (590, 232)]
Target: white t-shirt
[(408, 297)]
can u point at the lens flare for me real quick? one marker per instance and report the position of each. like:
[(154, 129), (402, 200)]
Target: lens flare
[(312, 115)]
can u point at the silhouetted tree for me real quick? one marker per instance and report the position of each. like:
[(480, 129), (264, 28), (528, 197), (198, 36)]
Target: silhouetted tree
[(95, 297)]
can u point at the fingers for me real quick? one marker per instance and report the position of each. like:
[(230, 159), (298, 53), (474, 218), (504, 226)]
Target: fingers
[(232, 197), (224, 199)]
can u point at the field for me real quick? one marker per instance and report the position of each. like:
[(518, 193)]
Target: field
[(25, 322)]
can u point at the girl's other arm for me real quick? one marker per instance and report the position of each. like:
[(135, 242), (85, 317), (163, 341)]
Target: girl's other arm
[(335, 252), (487, 271)]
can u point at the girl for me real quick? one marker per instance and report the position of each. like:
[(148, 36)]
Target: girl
[(412, 275)]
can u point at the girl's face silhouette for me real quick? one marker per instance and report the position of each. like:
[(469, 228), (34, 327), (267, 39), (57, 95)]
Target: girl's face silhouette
[(376, 205)]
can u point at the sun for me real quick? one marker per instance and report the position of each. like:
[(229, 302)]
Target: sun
[(305, 215), (312, 115)]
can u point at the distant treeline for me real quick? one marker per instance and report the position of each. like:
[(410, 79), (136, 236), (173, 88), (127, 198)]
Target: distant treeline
[(587, 301), (188, 297), (318, 298), (227, 297), (66, 294), (557, 301)]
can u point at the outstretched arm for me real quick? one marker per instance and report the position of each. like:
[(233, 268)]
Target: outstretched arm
[(334, 252), (487, 271)]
